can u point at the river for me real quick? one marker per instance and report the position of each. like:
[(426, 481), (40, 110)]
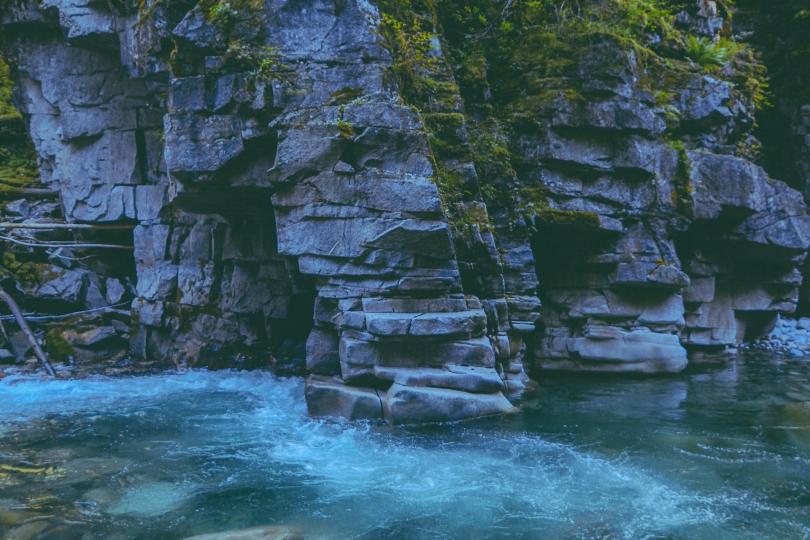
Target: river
[(721, 452)]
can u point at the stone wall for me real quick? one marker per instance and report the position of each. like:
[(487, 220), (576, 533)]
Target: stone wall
[(285, 218), (288, 209)]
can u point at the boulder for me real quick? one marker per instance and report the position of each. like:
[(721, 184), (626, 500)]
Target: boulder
[(611, 349), (417, 405), (330, 397)]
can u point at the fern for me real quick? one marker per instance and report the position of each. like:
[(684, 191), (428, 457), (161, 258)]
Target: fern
[(705, 52)]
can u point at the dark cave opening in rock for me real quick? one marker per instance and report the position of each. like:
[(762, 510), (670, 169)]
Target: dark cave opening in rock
[(288, 335), (261, 306), (562, 250), (738, 288)]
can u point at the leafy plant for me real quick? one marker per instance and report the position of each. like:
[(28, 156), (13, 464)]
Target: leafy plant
[(705, 52), (222, 14)]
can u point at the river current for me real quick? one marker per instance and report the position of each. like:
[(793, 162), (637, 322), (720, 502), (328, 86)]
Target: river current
[(712, 453)]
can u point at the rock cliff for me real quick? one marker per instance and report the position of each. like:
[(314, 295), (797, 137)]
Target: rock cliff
[(414, 204)]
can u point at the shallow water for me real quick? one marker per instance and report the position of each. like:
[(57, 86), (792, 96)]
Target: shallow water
[(720, 453)]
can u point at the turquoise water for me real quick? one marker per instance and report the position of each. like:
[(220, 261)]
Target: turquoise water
[(714, 453)]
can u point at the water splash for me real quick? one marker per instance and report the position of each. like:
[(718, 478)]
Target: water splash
[(215, 440)]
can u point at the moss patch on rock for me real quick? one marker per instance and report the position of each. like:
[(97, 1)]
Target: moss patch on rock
[(57, 347), (18, 166)]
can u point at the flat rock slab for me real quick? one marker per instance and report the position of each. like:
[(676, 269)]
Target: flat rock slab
[(416, 405), (330, 397), (614, 350), (426, 324), (466, 378)]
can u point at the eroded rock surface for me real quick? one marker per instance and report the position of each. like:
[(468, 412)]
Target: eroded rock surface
[(285, 208)]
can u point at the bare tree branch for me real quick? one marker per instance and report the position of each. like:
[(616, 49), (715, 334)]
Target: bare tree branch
[(104, 309), (69, 226), (29, 335), (59, 244)]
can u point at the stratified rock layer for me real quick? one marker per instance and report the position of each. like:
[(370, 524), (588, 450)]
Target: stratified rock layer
[(285, 211)]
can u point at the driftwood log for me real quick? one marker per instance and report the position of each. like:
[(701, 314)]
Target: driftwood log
[(29, 335)]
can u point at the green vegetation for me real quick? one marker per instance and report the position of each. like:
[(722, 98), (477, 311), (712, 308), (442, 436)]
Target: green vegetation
[(515, 63), (550, 217), (682, 187), (239, 22), (706, 52), (28, 273), (345, 95), (409, 29), (57, 347), (345, 128), (17, 160), (7, 109)]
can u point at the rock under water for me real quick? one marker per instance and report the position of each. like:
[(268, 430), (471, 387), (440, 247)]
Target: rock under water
[(717, 453)]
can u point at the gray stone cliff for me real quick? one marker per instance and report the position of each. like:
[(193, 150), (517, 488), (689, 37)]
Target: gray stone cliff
[(281, 202)]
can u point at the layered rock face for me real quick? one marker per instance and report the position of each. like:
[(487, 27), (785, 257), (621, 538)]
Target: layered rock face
[(280, 193), (290, 205), (654, 239)]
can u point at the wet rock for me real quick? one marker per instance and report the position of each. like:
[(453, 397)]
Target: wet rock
[(271, 532), (81, 469), (468, 379), (790, 337), (151, 499), (28, 531), (93, 336), (7, 357), (330, 397), (789, 423), (611, 349), (20, 345), (414, 405), (293, 217), (11, 518), (59, 284)]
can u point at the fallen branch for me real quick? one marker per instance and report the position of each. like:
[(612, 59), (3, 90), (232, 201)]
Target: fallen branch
[(15, 193), (60, 244), (103, 309), (69, 226), (29, 335)]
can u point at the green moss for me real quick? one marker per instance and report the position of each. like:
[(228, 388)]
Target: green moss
[(567, 218), (682, 185), (345, 95), (18, 166), (534, 198), (27, 273), (345, 129), (446, 135), (451, 185), (516, 63), (407, 29), (263, 62), (472, 215), (7, 109), (57, 347)]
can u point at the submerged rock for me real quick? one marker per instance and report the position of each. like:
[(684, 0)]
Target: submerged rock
[(272, 532), (151, 499)]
